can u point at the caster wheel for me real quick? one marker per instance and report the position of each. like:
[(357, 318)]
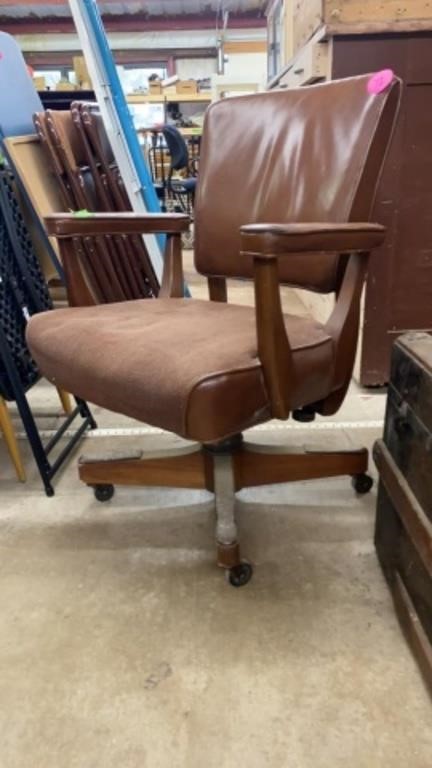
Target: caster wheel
[(362, 483), (104, 492), (240, 574)]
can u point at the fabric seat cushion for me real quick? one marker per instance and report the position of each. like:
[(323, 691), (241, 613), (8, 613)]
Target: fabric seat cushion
[(187, 366)]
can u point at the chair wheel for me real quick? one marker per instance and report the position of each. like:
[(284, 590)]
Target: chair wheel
[(240, 574), (104, 492), (362, 483)]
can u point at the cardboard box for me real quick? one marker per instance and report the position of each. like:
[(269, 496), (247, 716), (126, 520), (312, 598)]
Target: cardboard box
[(81, 73), (155, 87), (188, 87), (39, 83), (65, 85)]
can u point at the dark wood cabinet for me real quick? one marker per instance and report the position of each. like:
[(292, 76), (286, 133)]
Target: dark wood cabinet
[(399, 288), (398, 295)]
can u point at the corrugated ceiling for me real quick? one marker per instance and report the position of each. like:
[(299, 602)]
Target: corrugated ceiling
[(27, 9)]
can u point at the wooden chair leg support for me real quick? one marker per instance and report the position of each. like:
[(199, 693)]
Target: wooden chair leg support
[(266, 465), (188, 467), (224, 472), (65, 400), (7, 428)]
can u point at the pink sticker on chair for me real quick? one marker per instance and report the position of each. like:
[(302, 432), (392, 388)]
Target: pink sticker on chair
[(380, 81)]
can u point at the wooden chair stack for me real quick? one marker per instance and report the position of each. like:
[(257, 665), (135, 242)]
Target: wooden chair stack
[(80, 156)]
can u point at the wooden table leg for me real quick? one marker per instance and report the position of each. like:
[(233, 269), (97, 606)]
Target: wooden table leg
[(11, 441), (65, 400)]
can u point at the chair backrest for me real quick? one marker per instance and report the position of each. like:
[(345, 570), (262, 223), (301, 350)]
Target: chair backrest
[(102, 150), (102, 197), (97, 134), (177, 147), (54, 158), (310, 154), (68, 144), (66, 138)]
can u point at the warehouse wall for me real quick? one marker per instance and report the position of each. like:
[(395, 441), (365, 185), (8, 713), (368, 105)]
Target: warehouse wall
[(192, 68), (254, 64)]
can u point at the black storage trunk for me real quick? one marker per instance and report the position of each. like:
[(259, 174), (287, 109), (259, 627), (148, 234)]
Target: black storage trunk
[(403, 535)]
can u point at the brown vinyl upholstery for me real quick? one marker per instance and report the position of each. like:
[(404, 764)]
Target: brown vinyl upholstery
[(208, 370), (299, 155)]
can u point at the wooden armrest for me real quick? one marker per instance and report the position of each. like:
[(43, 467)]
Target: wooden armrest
[(266, 243), (67, 225), (270, 240)]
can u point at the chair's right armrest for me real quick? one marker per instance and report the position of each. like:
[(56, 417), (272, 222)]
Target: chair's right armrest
[(268, 243), (270, 240)]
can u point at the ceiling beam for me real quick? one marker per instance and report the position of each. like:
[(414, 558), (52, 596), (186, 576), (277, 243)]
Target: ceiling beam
[(129, 23), (60, 59)]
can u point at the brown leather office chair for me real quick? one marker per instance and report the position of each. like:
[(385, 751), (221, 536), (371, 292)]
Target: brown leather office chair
[(287, 180)]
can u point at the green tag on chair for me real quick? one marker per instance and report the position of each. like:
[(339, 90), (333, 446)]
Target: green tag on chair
[(83, 214)]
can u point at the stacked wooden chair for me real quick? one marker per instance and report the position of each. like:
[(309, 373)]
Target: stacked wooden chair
[(79, 154)]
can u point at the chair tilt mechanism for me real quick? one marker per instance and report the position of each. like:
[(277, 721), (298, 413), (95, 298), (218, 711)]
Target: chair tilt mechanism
[(284, 198)]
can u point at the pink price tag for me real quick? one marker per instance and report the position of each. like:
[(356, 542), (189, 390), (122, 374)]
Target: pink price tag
[(380, 81)]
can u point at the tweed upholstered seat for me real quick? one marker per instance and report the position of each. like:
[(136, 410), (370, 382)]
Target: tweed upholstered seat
[(188, 366)]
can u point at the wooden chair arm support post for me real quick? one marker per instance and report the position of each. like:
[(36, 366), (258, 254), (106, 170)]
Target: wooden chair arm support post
[(273, 345), (266, 244), (172, 286)]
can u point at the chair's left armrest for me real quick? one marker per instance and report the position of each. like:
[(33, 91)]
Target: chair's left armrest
[(267, 240), (67, 225)]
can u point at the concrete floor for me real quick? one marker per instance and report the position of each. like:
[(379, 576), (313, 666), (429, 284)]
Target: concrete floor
[(122, 645)]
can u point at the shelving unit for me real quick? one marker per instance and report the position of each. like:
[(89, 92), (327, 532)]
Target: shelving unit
[(152, 98)]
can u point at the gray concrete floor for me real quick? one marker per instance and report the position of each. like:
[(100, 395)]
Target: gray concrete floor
[(122, 645)]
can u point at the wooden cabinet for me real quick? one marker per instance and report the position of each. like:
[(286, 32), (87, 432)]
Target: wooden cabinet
[(358, 16), (398, 294), (292, 23)]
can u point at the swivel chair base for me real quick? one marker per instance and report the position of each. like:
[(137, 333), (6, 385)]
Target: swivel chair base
[(223, 469)]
